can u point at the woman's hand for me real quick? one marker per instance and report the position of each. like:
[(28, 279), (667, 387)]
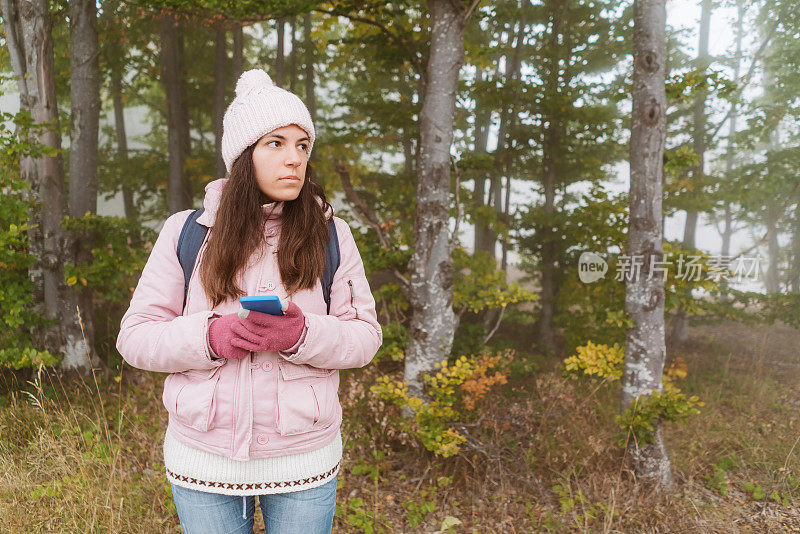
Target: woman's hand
[(220, 337), (262, 331)]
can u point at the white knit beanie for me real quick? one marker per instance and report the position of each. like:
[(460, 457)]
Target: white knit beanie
[(258, 108)]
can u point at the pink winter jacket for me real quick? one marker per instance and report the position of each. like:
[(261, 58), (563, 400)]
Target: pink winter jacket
[(269, 403)]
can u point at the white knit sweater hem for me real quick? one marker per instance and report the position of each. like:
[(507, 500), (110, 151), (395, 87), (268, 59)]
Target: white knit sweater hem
[(205, 471)]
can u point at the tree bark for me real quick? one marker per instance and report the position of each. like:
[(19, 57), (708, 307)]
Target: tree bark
[(177, 193), (84, 129), (433, 321), (220, 77), (280, 27), (645, 348), (30, 42)]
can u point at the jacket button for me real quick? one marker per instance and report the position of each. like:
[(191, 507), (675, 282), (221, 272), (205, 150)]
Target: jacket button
[(262, 439), (254, 365), (267, 366), (270, 286)]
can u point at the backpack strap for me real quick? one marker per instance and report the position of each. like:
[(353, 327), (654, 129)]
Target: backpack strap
[(189, 243), (331, 263)]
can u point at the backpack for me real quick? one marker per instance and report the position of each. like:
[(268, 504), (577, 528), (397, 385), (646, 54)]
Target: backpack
[(193, 234)]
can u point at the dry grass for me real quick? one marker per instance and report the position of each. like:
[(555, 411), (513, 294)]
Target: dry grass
[(545, 456)]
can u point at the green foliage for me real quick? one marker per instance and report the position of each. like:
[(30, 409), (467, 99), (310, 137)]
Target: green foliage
[(18, 320), (454, 392), (755, 491), (670, 404), (717, 478), (601, 361), (120, 250), (479, 284)]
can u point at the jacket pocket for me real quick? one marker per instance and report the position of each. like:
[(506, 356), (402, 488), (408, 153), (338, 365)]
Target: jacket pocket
[(303, 398), (189, 397)]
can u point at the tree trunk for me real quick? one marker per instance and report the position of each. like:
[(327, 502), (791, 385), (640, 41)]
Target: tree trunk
[(238, 52), (772, 280), (220, 72), (483, 118), (794, 279), (122, 141), (84, 129), (177, 193), (292, 54), (645, 348), (311, 101), (680, 327), (699, 123), (280, 27), (30, 43), (433, 321), (727, 230), (551, 146)]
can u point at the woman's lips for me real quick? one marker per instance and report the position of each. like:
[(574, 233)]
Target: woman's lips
[(291, 179)]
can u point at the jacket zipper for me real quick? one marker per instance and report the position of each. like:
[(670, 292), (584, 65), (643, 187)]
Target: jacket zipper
[(352, 297)]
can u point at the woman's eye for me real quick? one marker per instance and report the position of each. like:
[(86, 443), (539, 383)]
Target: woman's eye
[(270, 142), (305, 147)]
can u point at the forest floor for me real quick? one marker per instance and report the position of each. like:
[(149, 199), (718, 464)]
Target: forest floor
[(545, 455)]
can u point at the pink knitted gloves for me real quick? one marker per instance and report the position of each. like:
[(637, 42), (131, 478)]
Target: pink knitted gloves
[(232, 337), (220, 336), (262, 331)]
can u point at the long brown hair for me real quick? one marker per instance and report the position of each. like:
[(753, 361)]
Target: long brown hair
[(238, 233)]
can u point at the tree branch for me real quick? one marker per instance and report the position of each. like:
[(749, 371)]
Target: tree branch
[(367, 216), (398, 40), (17, 55), (496, 325)]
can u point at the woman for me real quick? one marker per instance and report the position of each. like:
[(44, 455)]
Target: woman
[(252, 399)]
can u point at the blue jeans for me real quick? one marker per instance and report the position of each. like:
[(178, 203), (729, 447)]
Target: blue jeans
[(307, 511)]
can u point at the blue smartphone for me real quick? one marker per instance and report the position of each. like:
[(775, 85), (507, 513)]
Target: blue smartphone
[(270, 304)]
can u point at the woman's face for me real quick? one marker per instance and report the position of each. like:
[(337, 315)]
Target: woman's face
[(280, 159)]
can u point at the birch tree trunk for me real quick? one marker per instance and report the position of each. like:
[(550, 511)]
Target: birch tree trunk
[(177, 194), (30, 44), (84, 129), (433, 321), (645, 348), (220, 72)]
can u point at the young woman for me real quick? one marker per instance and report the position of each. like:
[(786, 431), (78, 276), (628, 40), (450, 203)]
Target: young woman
[(252, 399)]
